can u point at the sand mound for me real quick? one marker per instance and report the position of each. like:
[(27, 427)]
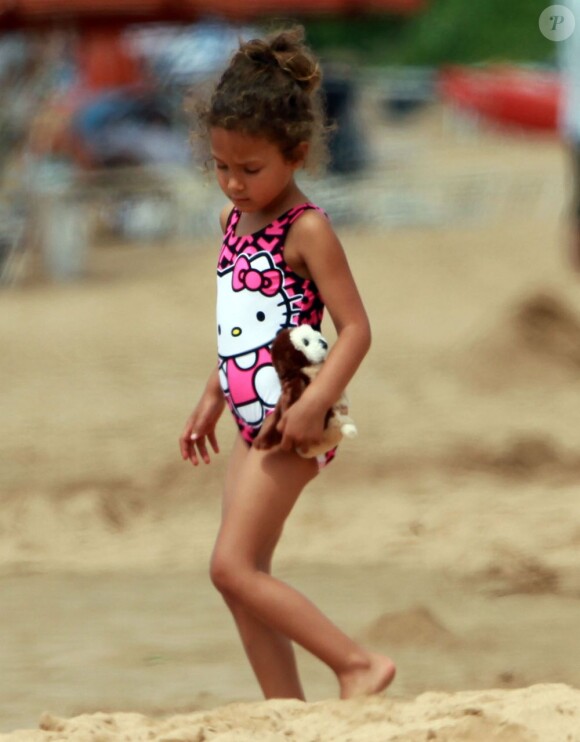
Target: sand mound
[(550, 713), (520, 456), (415, 626), (537, 339), (548, 327), (516, 573)]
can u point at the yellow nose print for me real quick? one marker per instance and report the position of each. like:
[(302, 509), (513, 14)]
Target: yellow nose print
[(236, 331)]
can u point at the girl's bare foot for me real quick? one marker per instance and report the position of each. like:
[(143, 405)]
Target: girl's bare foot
[(368, 678)]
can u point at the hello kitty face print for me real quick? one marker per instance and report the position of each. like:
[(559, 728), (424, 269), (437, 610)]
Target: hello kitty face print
[(258, 294), (252, 306)]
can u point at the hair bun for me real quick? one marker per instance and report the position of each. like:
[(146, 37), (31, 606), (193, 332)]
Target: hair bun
[(259, 51), (295, 58), (287, 50)]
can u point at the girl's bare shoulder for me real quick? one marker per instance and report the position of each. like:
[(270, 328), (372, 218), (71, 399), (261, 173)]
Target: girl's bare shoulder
[(225, 215), (313, 227)]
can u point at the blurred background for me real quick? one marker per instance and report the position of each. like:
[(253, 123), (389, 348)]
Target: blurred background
[(94, 131), (447, 535)]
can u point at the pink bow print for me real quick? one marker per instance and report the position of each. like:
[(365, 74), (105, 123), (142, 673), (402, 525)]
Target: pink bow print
[(245, 277)]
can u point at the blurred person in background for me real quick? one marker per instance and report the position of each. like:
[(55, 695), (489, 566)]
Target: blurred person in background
[(569, 121)]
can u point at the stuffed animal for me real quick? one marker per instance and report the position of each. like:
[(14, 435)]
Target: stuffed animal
[(298, 354)]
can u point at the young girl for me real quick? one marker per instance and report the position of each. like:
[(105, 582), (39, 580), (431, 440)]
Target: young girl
[(279, 258)]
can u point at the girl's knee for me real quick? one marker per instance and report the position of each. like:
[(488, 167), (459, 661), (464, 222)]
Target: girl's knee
[(227, 575), (219, 572), (231, 572)]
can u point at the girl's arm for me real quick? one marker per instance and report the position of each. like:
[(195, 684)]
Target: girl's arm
[(202, 421), (316, 252)]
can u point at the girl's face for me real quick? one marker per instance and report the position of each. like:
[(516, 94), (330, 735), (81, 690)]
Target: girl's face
[(252, 171)]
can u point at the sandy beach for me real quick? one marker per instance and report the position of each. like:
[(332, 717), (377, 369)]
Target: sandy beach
[(446, 535)]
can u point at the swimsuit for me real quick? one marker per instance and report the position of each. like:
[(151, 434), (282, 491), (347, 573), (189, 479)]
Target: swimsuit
[(258, 294)]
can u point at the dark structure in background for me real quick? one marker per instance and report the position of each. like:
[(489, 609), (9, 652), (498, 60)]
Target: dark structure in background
[(348, 151)]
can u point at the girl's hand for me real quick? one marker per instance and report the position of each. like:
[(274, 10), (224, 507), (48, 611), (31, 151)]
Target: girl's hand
[(302, 425), (201, 425)]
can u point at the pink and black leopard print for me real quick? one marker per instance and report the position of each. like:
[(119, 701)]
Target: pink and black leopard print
[(258, 294)]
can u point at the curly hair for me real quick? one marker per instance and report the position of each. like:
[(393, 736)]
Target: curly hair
[(271, 88)]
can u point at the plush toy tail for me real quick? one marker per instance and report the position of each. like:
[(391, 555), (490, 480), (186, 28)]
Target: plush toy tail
[(349, 430)]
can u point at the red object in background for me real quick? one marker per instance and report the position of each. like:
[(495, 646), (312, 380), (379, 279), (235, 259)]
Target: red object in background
[(106, 62), (510, 96), (19, 13)]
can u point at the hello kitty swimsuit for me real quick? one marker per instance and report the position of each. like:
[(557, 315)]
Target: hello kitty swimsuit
[(258, 294)]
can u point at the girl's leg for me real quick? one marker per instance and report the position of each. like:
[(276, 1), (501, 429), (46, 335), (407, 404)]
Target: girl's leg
[(270, 653), (264, 492)]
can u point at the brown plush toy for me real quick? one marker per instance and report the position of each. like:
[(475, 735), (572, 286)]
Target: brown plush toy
[(298, 354)]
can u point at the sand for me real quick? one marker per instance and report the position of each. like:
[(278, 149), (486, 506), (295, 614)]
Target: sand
[(446, 535), (540, 712)]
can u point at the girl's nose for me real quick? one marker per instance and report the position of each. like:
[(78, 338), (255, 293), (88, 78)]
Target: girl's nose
[(234, 185)]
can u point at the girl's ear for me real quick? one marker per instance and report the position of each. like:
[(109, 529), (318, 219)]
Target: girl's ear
[(299, 154)]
